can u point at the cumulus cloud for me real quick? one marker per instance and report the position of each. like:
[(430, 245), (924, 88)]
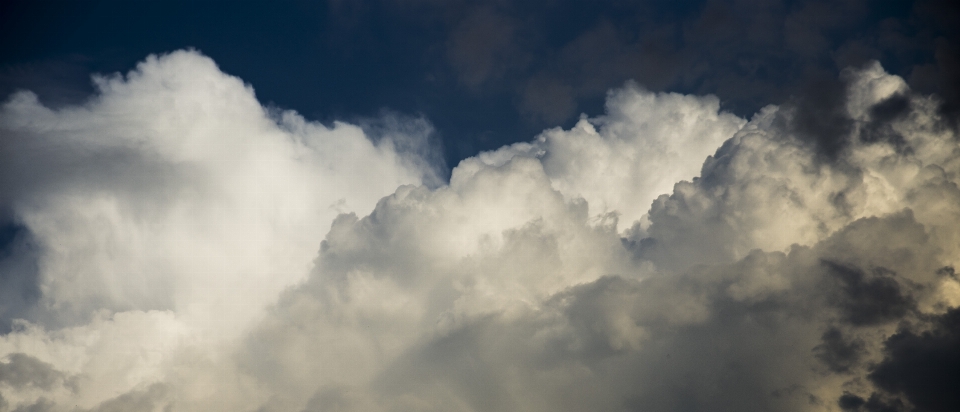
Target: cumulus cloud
[(665, 256), (646, 142), (170, 206)]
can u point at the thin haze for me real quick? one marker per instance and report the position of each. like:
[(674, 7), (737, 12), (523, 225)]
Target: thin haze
[(173, 241)]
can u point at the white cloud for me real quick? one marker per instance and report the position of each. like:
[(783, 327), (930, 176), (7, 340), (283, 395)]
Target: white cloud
[(645, 144), (174, 190), (768, 282)]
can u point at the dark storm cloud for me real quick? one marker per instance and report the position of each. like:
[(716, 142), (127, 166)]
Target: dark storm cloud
[(818, 116), (882, 115), (924, 366), (869, 299), (875, 403), (839, 352)]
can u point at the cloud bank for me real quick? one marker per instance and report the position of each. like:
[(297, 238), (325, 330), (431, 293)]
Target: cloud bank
[(174, 245)]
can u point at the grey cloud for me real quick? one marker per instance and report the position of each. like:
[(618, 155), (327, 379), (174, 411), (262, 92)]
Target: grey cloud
[(875, 403), (627, 345), (21, 370), (819, 117), (41, 405), (337, 398), (19, 274), (838, 352), (879, 128), (869, 299), (146, 400), (923, 365)]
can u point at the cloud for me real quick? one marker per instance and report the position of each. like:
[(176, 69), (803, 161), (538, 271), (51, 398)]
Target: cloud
[(770, 281), (623, 160), (171, 205), (664, 256), (922, 365), (24, 370)]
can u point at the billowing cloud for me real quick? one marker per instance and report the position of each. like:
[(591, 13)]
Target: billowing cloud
[(645, 143), (665, 256), (170, 207)]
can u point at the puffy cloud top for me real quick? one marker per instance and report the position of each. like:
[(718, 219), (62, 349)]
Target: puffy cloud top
[(191, 250)]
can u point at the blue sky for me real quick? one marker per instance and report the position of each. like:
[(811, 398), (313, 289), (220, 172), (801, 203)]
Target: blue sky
[(484, 73)]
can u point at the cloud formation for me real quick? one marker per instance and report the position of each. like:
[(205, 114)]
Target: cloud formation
[(194, 251), (169, 206)]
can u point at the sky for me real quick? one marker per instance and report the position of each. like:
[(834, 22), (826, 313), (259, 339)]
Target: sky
[(418, 205)]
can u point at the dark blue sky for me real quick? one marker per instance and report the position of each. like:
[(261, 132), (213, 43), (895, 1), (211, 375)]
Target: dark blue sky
[(484, 73)]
